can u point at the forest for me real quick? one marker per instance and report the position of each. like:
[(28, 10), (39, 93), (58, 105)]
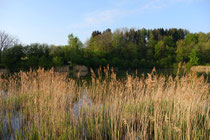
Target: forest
[(124, 49)]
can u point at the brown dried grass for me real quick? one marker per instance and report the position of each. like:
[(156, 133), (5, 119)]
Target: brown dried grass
[(147, 107)]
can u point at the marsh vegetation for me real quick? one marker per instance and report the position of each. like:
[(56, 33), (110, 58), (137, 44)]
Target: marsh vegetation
[(49, 105)]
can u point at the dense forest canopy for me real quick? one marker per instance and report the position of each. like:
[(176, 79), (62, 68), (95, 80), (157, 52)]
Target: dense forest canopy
[(123, 48)]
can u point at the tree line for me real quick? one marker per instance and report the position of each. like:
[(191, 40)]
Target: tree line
[(123, 48)]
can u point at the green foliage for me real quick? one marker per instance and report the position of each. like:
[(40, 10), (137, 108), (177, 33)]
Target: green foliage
[(123, 48), (74, 42), (12, 58), (57, 61), (193, 58)]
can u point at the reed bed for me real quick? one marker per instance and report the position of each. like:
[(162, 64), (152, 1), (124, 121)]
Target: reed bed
[(148, 107)]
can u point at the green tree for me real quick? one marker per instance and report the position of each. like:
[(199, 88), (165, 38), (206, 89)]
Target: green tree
[(184, 47), (12, 58), (74, 42), (73, 51), (193, 58), (57, 61)]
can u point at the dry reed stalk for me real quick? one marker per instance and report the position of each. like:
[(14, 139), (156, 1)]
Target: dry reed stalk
[(152, 107)]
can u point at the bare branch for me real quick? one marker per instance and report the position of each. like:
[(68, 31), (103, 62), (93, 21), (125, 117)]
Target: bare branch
[(6, 40)]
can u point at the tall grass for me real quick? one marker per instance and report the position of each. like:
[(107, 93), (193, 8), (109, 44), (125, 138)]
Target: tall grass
[(150, 107)]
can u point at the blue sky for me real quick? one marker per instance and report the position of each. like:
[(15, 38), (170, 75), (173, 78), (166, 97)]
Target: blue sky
[(50, 21)]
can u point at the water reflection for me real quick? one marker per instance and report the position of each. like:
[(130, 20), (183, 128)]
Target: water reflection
[(14, 125), (83, 103)]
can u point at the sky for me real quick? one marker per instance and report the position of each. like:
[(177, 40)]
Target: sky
[(51, 21)]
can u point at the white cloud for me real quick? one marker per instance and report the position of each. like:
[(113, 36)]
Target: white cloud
[(185, 1), (102, 17), (99, 18), (109, 16), (160, 4), (154, 4)]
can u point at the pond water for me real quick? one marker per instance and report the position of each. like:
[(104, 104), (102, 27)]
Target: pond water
[(16, 118), (15, 125), (83, 103)]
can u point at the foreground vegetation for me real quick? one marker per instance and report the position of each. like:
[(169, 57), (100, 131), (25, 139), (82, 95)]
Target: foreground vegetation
[(150, 107)]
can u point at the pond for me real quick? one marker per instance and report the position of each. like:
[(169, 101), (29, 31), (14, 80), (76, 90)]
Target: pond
[(11, 121)]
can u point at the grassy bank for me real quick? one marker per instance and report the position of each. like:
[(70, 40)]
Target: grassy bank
[(150, 107)]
